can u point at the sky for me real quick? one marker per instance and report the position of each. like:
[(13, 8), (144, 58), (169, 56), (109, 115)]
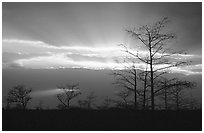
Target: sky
[(86, 35)]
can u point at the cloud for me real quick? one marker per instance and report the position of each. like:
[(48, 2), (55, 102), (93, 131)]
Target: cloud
[(27, 46), (61, 61), (39, 55), (22, 41), (185, 71), (10, 57), (12, 65)]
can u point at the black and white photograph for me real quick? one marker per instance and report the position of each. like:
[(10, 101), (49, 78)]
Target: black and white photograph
[(102, 66)]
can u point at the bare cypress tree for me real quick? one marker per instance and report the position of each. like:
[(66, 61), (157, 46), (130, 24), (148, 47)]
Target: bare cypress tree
[(19, 95), (171, 90), (127, 79), (177, 90), (155, 40), (106, 103), (124, 94), (166, 85), (68, 93), (90, 99), (143, 77)]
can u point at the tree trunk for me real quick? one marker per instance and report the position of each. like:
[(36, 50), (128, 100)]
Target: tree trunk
[(23, 103), (68, 104), (144, 92), (24, 106), (165, 98), (177, 101), (89, 104), (135, 89), (152, 79), (126, 105)]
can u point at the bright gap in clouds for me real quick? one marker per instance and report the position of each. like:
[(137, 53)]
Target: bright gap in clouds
[(54, 57)]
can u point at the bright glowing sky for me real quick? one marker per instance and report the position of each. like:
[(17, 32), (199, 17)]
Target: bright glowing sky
[(86, 35)]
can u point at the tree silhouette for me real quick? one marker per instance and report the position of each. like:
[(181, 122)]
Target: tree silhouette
[(171, 90), (177, 90), (107, 102), (143, 77), (19, 95), (67, 94), (154, 39), (90, 99), (39, 106), (87, 103), (80, 102), (127, 79), (124, 95)]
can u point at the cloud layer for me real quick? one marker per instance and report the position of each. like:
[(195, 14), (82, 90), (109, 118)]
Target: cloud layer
[(39, 55)]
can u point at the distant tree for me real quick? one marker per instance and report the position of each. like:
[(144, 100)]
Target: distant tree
[(80, 102), (123, 95), (107, 102), (165, 90), (19, 95), (87, 103), (8, 106), (171, 90), (192, 101), (127, 79), (154, 39), (39, 106), (68, 93), (177, 91), (90, 99)]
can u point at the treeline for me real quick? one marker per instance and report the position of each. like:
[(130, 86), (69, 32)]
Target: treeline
[(19, 97)]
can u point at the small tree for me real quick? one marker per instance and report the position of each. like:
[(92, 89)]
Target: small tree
[(124, 95), (19, 95), (67, 94), (171, 90), (80, 102), (39, 106), (107, 102), (127, 79), (165, 86), (177, 91), (90, 99)]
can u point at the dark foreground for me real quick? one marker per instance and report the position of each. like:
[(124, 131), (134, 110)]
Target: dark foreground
[(101, 120)]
